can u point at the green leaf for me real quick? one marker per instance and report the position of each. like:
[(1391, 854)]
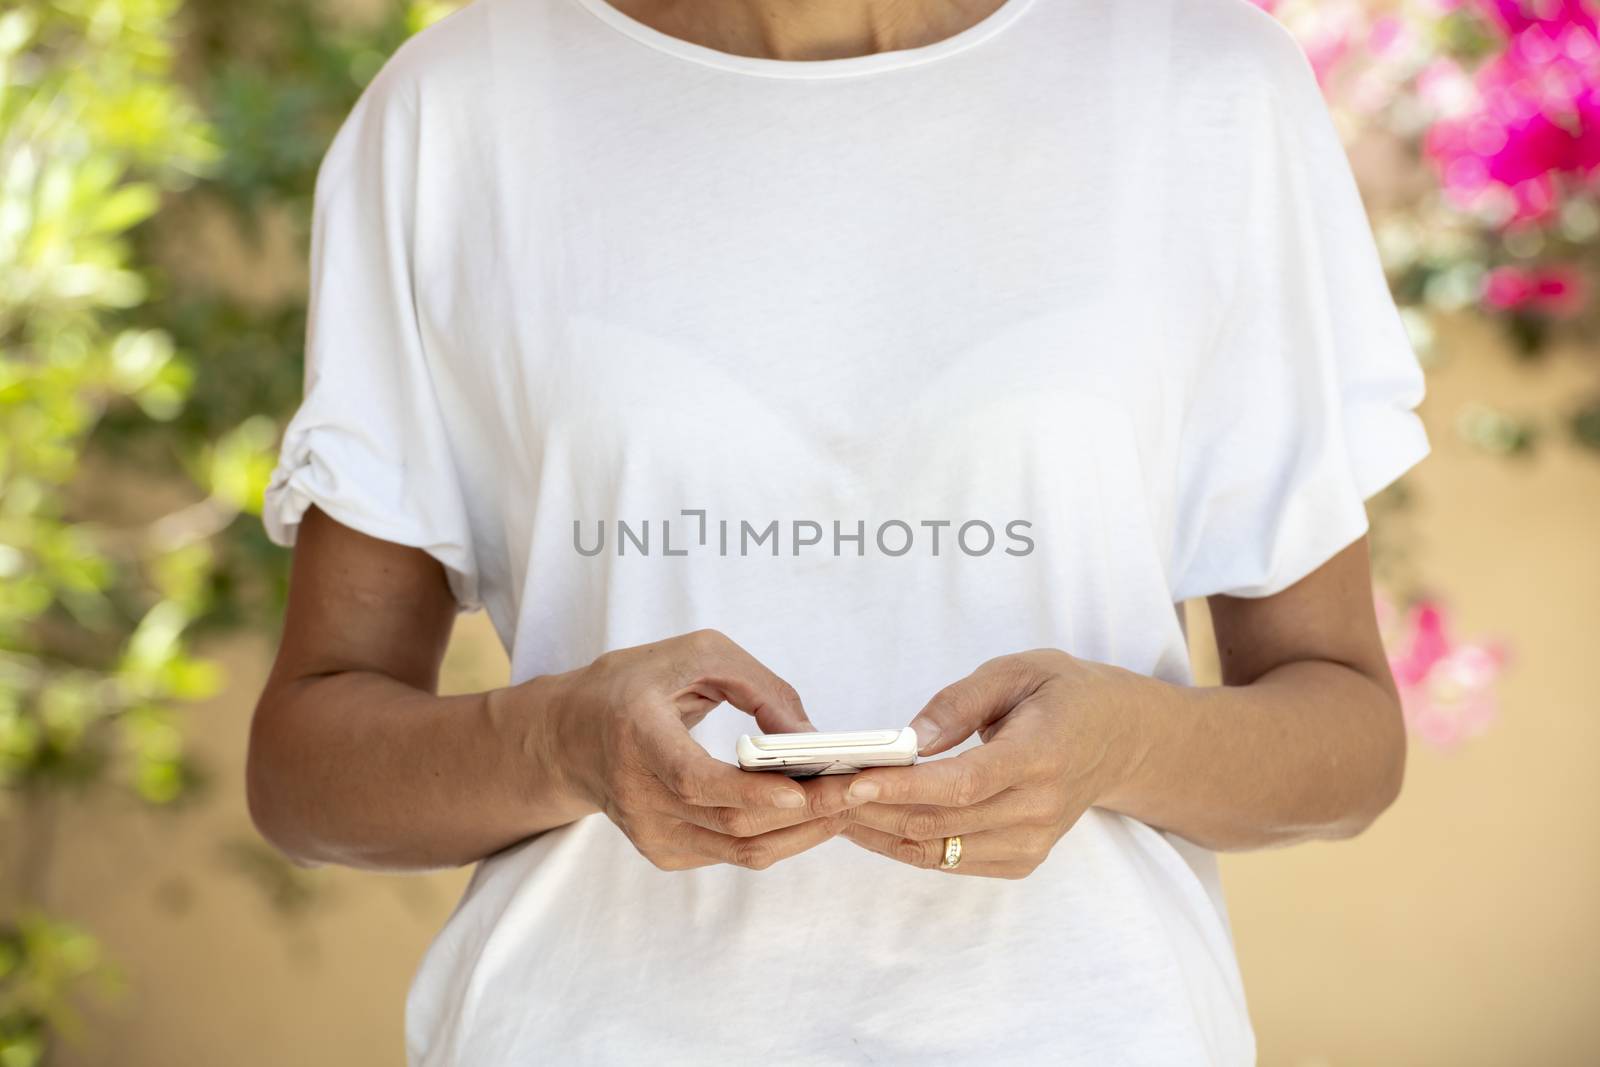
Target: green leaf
[(124, 208)]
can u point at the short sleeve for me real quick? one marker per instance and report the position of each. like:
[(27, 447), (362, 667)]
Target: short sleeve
[(1303, 407), (369, 444)]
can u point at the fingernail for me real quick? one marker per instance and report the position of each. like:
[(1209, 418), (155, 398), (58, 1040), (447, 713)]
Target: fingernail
[(927, 734), (788, 798), (862, 791)]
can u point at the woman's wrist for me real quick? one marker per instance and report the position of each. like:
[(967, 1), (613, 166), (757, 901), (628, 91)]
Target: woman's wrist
[(551, 789), (1129, 717)]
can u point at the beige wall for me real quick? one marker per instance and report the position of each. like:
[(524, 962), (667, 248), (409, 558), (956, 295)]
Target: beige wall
[(1463, 929)]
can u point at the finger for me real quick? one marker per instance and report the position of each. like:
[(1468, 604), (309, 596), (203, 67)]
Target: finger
[(721, 669), (957, 781), (761, 851), (695, 777), (962, 708), (675, 860), (832, 792), (751, 821), (973, 869), (986, 847), (925, 822)]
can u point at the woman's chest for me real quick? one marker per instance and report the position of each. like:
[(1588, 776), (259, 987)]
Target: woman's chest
[(925, 336), (743, 397)]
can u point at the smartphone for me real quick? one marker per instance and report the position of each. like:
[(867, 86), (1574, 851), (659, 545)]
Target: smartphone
[(805, 755)]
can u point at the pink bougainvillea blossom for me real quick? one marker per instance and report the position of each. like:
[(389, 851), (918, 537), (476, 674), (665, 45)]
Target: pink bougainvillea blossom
[(1532, 132), (1447, 687), (1390, 35), (1557, 289), (1507, 116), (1514, 16)]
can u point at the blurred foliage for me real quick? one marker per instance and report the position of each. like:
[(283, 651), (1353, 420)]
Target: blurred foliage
[(42, 961), (140, 402), (91, 649)]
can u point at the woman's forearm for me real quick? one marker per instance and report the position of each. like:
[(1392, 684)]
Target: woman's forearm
[(1310, 749), (360, 769)]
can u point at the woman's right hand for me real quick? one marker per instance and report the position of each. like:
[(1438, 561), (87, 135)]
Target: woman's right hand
[(618, 739)]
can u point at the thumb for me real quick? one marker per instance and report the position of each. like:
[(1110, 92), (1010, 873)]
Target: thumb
[(980, 699)]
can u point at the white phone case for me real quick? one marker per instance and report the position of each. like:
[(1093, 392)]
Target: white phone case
[(804, 755)]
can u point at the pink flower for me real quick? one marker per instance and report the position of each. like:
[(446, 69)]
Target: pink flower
[(1446, 687), (1389, 35), (1513, 16), (1533, 132), (1556, 290), (1507, 288), (1326, 51), (1560, 289)]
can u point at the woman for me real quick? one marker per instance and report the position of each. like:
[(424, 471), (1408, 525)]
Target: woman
[(853, 365)]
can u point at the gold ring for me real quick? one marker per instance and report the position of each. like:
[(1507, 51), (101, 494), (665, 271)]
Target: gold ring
[(952, 853)]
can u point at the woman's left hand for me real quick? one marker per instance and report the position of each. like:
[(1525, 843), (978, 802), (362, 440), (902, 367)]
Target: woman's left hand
[(1058, 733)]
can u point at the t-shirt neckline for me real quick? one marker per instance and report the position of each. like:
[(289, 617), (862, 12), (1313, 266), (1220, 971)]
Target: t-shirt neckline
[(845, 66)]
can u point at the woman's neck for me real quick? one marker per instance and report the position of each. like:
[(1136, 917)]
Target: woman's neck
[(809, 29)]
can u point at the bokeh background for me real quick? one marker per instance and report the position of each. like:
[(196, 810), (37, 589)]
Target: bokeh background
[(156, 168)]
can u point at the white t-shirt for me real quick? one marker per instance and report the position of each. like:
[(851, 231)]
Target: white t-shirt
[(1093, 277)]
